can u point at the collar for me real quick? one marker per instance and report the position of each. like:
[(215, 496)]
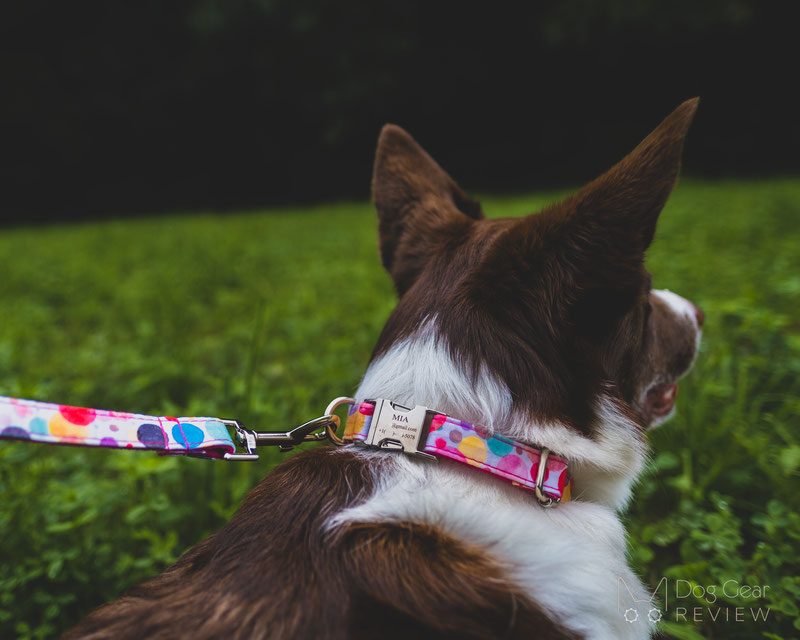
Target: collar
[(422, 432)]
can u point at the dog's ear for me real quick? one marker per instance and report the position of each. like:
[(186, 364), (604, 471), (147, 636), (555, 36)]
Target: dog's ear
[(418, 205), (624, 203), (606, 227)]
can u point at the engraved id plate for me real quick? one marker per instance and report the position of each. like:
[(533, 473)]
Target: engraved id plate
[(396, 427)]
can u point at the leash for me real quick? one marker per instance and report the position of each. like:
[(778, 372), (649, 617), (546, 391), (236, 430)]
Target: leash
[(373, 424), (197, 437)]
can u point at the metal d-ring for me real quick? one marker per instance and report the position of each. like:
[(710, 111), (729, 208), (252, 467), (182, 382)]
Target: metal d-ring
[(544, 500), (330, 429)]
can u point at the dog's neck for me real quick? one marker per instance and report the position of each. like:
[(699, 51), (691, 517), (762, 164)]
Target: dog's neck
[(419, 370)]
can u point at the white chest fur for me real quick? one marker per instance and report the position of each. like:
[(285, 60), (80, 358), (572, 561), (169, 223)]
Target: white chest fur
[(570, 559)]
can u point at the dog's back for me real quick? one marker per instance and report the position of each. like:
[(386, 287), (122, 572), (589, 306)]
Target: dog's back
[(276, 570)]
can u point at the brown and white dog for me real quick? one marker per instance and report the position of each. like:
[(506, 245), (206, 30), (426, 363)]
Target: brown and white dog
[(542, 328)]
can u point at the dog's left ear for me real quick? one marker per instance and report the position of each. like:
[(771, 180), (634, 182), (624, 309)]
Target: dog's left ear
[(419, 206)]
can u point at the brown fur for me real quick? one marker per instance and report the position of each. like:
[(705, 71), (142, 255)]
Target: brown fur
[(274, 572), (553, 304)]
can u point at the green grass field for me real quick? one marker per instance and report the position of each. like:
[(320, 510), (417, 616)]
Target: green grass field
[(267, 316)]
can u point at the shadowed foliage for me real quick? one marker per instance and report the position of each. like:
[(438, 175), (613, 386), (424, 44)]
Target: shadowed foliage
[(195, 104)]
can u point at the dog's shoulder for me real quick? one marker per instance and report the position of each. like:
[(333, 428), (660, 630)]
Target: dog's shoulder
[(277, 570), (411, 579)]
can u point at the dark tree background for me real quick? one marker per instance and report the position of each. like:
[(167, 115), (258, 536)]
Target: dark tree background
[(116, 107)]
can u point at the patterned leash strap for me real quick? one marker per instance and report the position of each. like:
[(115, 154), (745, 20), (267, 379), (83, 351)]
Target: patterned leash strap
[(60, 424)]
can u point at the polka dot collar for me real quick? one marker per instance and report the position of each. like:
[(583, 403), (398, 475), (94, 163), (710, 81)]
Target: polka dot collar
[(447, 437)]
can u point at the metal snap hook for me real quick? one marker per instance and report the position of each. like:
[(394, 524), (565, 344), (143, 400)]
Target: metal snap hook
[(315, 430)]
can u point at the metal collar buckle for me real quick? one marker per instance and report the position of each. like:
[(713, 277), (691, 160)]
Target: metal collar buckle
[(541, 497), (398, 428)]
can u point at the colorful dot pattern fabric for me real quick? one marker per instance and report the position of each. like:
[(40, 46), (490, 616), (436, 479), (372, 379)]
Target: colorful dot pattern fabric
[(448, 437), (60, 424)]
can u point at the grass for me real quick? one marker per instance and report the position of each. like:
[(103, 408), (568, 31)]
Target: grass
[(266, 316)]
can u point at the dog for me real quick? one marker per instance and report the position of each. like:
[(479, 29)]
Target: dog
[(543, 330)]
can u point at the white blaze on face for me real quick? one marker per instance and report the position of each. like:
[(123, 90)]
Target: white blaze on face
[(680, 305), (658, 399)]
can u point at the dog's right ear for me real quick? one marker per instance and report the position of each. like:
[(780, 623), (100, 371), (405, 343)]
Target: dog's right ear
[(418, 204)]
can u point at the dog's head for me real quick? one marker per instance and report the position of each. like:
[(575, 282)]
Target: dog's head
[(555, 308)]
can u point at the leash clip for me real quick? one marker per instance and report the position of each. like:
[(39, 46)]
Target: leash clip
[(284, 440)]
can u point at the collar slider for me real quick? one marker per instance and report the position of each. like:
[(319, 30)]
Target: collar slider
[(541, 497)]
